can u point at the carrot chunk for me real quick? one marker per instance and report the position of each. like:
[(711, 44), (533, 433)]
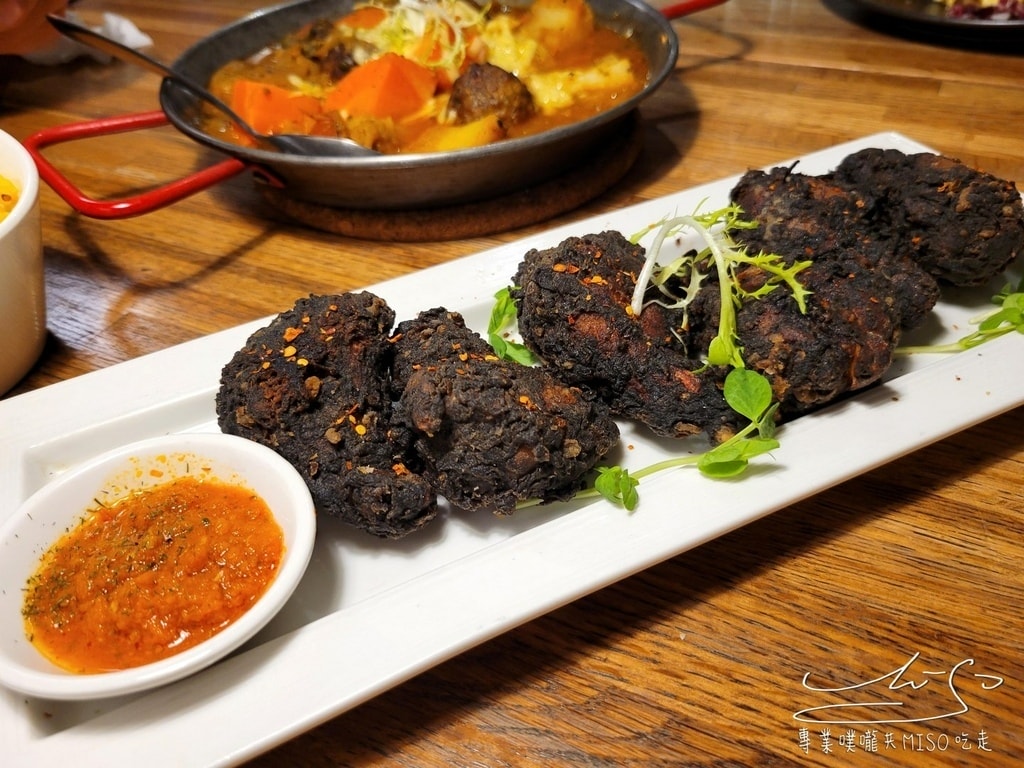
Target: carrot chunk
[(271, 109), (390, 86), (367, 17)]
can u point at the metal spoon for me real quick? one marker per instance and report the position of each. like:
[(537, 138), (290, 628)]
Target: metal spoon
[(294, 144)]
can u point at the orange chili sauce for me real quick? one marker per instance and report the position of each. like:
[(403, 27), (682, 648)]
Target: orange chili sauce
[(156, 573)]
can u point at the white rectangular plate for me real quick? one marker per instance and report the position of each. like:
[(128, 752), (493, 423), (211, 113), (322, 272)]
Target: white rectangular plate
[(370, 614)]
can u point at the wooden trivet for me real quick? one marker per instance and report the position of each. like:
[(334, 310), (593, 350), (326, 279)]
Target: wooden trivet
[(501, 214)]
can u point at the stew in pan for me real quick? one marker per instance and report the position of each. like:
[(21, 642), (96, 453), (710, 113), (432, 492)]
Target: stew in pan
[(433, 75)]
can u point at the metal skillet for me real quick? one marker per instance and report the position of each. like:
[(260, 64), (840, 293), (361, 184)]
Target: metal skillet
[(378, 182)]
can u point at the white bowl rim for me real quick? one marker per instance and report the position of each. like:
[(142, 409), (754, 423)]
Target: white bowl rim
[(28, 183), (61, 685)]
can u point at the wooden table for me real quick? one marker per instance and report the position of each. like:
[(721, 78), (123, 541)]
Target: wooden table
[(699, 660)]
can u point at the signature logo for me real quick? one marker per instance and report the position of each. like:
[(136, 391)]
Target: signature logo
[(908, 694)]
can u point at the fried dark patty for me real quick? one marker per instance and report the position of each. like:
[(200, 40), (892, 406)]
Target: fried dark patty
[(314, 386), (572, 303), (962, 225), (490, 432)]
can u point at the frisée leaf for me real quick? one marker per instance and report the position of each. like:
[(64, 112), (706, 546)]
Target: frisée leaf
[(727, 257)]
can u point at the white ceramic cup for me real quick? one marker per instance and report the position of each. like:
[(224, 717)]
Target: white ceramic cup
[(22, 282)]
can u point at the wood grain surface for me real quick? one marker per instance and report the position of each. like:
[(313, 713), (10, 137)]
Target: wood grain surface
[(701, 660)]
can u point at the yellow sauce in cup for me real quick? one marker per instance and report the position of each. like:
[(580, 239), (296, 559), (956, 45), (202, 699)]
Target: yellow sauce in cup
[(8, 197)]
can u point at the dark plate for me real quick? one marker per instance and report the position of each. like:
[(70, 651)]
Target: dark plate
[(933, 13)]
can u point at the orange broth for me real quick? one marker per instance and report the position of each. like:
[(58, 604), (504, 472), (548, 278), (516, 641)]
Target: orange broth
[(158, 572)]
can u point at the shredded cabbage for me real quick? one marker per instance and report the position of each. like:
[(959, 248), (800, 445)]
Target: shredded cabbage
[(431, 32)]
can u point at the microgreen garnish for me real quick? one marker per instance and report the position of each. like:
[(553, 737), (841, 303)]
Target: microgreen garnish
[(727, 257), (616, 485), (749, 394), (991, 325), (503, 317)]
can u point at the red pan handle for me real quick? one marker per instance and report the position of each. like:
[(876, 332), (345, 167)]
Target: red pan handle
[(686, 7), (130, 206)]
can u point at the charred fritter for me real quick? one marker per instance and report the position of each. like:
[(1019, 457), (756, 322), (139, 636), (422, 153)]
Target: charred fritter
[(863, 292), (490, 432), (845, 341), (573, 310), (485, 89), (962, 225), (314, 386), (810, 217)]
